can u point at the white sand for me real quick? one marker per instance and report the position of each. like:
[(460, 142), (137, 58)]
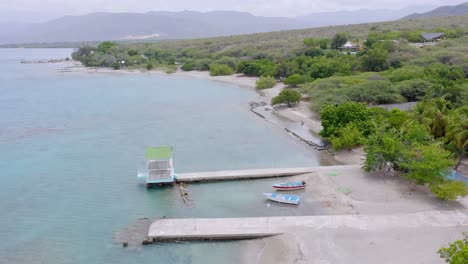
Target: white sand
[(369, 194)]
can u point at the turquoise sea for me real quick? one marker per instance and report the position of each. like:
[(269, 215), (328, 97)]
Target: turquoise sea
[(71, 144)]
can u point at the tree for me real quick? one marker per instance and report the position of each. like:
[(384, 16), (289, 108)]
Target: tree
[(449, 190), (456, 252), (375, 60), (323, 43), (425, 164), (265, 82), (294, 80), (287, 96), (106, 46), (335, 117), (285, 69), (383, 149), (347, 138), (339, 40), (116, 65), (220, 69), (457, 132)]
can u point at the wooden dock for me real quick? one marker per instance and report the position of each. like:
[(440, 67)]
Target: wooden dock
[(257, 227), (242, 174)]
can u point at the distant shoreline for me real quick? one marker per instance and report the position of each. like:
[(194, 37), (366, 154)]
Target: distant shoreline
[(287, 119)]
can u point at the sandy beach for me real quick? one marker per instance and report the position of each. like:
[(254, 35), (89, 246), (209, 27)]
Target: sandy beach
[(341, 190)]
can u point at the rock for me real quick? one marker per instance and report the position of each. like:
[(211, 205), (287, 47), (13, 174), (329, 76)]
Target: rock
[(147, 241)]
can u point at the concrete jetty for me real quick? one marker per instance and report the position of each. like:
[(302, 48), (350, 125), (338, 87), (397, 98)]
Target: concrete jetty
[(242, 174), (255, 227)]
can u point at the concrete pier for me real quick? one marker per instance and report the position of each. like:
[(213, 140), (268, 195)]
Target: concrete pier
[(242, 174), (255, 227)]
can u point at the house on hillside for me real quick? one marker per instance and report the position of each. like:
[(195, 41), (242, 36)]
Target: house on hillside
[(349, 47), (432, 37)]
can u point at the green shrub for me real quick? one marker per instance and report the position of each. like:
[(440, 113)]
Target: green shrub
[(149, 66), (375, 92), (220, 69), (265, 82), (188, 66), (294, 80), (414, 90), (347, 137), (405, 73), (106, 46), (450, 190), (116, 65), (375, 60), (335, 117), (456, 252), (287, 96)]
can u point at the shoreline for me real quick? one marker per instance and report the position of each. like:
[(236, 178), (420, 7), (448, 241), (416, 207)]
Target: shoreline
[(288, 119), (340, 190)]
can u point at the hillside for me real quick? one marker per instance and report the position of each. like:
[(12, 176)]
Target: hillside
[(443, 11), (283, 42)]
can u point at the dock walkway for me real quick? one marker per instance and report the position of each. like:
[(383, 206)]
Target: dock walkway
[(254, 227), (242, 174)]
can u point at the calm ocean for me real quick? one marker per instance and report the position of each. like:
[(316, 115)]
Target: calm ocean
[(71, 144)]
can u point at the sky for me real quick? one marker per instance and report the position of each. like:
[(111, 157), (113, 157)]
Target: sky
[(35, 10)]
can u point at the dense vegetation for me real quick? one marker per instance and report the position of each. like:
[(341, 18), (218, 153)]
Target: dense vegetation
[(387, 68), (456, 252)]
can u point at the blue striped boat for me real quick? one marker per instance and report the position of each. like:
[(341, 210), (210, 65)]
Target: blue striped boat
[(289, 186), (283, 198)]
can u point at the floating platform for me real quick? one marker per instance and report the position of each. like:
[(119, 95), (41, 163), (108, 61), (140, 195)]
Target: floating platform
[(242, 174), (258, 227)]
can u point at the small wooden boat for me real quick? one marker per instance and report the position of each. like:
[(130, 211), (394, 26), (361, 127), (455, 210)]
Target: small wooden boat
[(290, 186), (283, 198)]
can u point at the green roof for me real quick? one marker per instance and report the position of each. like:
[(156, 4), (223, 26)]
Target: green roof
[(158, 153)]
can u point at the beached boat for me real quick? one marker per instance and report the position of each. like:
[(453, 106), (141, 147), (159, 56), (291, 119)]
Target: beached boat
[(159, 170), (283, 198), (290, 186)]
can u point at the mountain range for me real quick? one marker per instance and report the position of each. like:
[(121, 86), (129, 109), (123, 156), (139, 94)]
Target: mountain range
[(191, 24), (457, 10)]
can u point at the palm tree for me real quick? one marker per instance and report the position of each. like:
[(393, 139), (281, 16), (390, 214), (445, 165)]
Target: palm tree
[(457, 131)]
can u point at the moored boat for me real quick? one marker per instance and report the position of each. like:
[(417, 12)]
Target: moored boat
[(290, 186), (159, 170), (283, 198)]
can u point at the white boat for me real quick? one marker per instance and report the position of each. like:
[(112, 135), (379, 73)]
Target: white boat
[(283, 198), (290, 186)]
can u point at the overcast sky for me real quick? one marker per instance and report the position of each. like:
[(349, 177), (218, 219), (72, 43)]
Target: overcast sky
[(38, 9)]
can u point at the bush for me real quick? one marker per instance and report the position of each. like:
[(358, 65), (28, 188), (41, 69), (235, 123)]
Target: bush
[(294, 80), (414, 90), (188, 66), (375, 60), (116, 65), (405, 73), (106, 46), (335, 117), (375, 92), (347, 138), (149, 66), (456, 252), (265, 82), (220, 69), (450, 190), (287, 96)]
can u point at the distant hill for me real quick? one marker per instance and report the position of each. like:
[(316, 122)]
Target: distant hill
[(360, 16), (163, 25), (151, 25), (443, 11)]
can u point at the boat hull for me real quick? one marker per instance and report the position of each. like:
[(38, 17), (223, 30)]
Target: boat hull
[(280, 198), (282, 188)]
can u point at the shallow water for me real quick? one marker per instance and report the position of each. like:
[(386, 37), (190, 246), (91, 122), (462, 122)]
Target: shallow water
[(71, 144)]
